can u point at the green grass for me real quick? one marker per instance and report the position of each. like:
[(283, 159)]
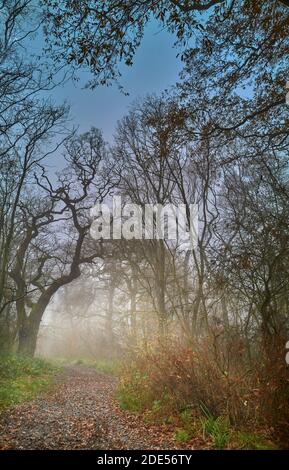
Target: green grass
[(218, 429), (181, 435), (128, 400), (132, 393), (250, 441), (21, 378), (107, 366)]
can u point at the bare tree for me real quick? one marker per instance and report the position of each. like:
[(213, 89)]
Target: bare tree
[(56, 239), (27, 122)]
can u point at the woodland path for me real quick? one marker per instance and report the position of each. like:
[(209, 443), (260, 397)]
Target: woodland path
[(80, 412)]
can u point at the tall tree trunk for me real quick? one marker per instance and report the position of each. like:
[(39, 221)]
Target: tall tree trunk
[(28, 328), (27, 339), (133, 290), (109, 316), (161, 293), (8, 330)]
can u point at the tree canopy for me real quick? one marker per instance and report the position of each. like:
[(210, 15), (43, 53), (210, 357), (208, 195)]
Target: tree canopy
[(101, 35)]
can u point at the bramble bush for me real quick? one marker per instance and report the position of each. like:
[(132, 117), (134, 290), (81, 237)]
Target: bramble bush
[(208, 387)]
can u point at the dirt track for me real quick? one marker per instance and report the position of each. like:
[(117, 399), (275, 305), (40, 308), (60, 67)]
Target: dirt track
[(80, 413)]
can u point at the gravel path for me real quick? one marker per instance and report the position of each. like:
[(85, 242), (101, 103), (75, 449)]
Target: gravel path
[(80, 413)]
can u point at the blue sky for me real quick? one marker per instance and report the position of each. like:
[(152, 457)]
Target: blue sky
[(155, 68)]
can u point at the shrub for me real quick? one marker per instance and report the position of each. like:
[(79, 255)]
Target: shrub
[(171, 378), (188, 378)]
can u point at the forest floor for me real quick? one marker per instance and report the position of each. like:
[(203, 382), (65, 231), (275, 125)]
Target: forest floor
[(80, 412)]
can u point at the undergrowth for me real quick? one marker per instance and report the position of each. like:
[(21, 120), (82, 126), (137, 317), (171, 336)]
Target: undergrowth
[(190, 390), (21, 378)]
